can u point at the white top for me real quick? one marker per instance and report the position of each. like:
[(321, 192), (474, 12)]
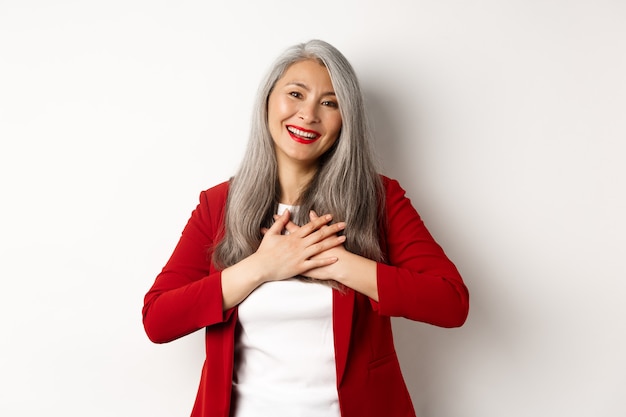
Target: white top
[(284, 355)]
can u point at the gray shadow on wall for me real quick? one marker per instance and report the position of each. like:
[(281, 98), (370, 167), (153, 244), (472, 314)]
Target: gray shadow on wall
[(422, 349), (384, 115), (431, 357), (413, 344)]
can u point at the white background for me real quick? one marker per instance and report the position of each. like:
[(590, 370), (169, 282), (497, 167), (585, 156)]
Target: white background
[(504, 121)]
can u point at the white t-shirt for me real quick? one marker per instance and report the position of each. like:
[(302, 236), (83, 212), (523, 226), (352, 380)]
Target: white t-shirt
[(285, 355)]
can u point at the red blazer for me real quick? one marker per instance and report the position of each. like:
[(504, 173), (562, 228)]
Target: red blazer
[(419, 282)]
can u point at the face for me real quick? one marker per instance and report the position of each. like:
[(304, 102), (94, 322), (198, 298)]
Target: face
[(303, 114)]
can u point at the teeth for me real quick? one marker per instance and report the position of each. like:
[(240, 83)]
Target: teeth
[(299, 132)]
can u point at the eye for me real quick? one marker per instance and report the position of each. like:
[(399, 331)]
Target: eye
[(330, 103), (295, 94)]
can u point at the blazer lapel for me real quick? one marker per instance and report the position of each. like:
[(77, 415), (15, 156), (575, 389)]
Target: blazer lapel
[(343, 309)]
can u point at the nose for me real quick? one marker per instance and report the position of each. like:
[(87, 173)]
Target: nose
[(308, 112)]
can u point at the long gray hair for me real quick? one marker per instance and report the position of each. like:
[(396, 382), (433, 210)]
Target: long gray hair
[(346, 184)]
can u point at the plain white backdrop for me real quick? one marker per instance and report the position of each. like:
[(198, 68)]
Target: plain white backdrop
[(503, 120)]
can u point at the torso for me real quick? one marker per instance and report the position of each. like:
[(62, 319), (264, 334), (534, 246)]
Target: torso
[(284, 354)]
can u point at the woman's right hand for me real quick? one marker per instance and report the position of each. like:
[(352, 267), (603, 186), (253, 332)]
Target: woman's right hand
[(281, 256)]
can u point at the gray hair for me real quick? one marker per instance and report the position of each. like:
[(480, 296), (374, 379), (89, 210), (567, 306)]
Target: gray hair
[(346, 184)]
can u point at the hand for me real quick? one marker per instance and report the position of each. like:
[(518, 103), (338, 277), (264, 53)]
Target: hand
[(331, 271), (284, 256), (352, 270)]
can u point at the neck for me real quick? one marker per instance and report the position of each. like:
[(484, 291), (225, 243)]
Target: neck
[(292, 183)]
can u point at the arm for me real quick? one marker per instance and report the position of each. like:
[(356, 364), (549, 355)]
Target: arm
[(418, 281), (190, 293), (351, 270), (187, 295), (281, 256)]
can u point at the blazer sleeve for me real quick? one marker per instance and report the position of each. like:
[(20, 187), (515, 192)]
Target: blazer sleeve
[(418, 281), (187, 295)]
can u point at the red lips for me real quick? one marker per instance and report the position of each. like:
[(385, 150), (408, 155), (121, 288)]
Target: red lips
[(302, 135)]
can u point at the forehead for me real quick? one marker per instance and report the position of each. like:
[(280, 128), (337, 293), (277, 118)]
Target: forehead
[(308, 72)]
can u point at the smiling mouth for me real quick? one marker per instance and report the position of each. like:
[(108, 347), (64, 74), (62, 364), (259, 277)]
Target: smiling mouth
[(303, 135)]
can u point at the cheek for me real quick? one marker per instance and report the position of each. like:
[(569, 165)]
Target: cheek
[(277, 113), (278, 108), (336, 126)]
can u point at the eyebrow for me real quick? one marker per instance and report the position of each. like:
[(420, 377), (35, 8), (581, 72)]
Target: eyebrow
[(304, 86)]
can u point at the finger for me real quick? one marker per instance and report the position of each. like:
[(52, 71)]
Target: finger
[(313, 225), (290, 226), (324, 245), (319, 263), (325, 232), (279, 223), (313, 216)]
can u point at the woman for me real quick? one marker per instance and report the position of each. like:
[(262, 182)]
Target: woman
[(295, 266)]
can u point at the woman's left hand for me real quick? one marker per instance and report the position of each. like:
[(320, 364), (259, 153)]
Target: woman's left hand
[(351, 270)]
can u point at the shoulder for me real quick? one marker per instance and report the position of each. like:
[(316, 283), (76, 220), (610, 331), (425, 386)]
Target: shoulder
[(217, 192), (392, 187), (214, 199), (221, 188), (395, 197)]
